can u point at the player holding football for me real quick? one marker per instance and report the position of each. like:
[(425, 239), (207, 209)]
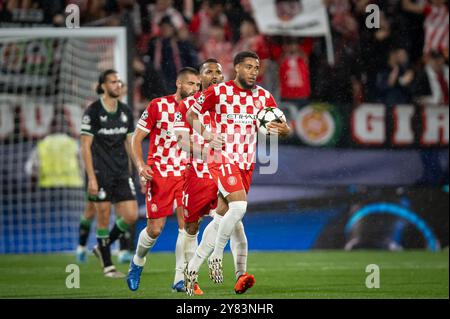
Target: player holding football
[(200, 193), (106, 130), (233, 106), (164, 173)]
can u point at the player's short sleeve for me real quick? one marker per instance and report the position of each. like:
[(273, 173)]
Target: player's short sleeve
[(181, 122), (270, 102), (206, 101), (130, 121), (149, 117), (89, 122)]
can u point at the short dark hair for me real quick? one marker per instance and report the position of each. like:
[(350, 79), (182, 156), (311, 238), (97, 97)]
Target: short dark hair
[(241, 56), (187, 70), (210, 60), (102, 79)]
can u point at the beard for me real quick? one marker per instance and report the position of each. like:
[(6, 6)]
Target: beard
[(244, 84), (113, 94), (185, 94)]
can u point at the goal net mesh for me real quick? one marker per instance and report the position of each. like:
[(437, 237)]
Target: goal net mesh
[(45, 84)]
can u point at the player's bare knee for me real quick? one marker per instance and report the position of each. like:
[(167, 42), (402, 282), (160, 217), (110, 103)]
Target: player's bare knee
[(154, 230), (191, 228)]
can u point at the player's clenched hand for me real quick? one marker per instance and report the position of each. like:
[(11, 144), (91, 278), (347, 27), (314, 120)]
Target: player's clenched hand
[(93, 187), (145, 172), (281, 129)]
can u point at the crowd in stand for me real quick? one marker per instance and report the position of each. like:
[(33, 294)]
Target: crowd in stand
[(405, 60)]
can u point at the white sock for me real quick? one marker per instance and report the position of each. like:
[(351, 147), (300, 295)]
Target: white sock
[(235, 213), (206, 244), (179, 256), (145, 243), (190, 246), (239, 249)]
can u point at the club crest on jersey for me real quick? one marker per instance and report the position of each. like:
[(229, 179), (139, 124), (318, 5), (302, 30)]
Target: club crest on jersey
[(154, 208), (232, 181), (144, 115), (86, 119), (258, 103), (103, 118), (123, 117)]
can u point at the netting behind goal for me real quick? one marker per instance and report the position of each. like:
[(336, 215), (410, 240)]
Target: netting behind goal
[(47, 78)]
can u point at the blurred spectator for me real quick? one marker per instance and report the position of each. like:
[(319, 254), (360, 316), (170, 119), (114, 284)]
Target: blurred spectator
[(212, 11), (219, 48), (375, 47), (28, 13), (339, 83), (161, 9), (251, 40), (395, 82), (432, 84), (435, 25), (342, 19), (167, 54), (294, 74)]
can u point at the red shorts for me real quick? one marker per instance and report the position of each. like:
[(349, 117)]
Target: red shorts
[(199, 196), (162, 193), (230, 178)]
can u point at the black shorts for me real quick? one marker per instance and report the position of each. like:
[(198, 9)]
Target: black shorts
[(114, 189)]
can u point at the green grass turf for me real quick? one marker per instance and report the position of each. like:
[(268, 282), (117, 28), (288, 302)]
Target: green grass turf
[(317, 274)]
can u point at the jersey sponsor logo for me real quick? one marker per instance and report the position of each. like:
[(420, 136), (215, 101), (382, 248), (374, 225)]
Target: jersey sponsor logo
[(123, 117), (113, 131), (144, 115), (239, 118), (103, 118), (86, 119)]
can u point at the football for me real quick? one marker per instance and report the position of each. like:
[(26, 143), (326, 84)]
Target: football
[(267, 115)]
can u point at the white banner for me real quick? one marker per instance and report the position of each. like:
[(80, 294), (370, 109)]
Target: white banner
[(302, 18)]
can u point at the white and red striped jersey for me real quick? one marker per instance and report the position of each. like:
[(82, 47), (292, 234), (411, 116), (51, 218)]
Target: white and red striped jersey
[(233, 115), (436, 28), (164, 153), (181, 123)]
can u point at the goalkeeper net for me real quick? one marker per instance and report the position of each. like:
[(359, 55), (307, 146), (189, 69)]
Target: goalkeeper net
[(47, 78)]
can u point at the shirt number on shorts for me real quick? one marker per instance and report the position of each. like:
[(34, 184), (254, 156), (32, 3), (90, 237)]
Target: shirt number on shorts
[(185, 199), (222, 168)]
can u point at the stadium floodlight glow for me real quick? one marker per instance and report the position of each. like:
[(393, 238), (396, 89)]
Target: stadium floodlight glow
[(396, 210)]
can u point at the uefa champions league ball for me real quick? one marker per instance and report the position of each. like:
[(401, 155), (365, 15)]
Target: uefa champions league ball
[(267, 115)]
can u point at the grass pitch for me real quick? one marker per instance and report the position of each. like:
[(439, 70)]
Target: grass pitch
[(285, 275)]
